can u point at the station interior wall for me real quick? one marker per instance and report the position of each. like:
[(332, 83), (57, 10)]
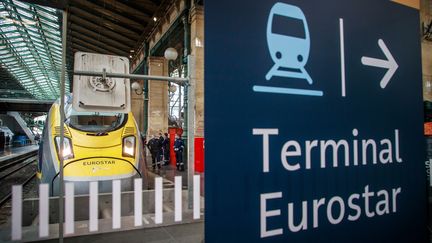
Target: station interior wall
[(197, 50), (158, 97), (158, 91), (137, 104), (411, 3)]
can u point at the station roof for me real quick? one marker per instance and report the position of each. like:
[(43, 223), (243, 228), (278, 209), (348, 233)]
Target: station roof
[(25, 105), (30, 48), (111, 26), (30, 38)]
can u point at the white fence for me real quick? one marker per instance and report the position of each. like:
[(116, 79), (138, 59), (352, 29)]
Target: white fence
[(93, 205)]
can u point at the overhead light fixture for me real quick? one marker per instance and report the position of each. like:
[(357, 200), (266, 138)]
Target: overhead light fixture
[(130, 56), (136, 87), (132, 51), (154, 19), (170, 54)]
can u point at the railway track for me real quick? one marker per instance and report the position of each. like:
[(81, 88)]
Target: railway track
[(16, 160), (19, 171)]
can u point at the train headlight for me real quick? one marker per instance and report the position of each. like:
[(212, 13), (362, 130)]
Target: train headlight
[(129, 146), (67, 148)]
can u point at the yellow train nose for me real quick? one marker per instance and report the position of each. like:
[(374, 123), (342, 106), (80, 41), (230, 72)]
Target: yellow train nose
[(99, 168)]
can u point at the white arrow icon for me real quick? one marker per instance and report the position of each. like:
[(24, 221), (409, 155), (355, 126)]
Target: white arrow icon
[(390, 63)]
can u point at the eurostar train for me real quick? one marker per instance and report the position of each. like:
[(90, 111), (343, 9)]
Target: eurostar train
[(98, 146)]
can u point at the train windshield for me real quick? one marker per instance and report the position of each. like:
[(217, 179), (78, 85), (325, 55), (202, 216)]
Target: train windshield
[(96, 121), (288, 26)]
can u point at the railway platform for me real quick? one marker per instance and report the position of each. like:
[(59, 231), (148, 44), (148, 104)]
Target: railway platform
[(169, 172), (11, 153), (192, 232)]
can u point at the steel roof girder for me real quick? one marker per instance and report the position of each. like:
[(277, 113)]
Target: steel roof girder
[(42, 67), (28, 10)]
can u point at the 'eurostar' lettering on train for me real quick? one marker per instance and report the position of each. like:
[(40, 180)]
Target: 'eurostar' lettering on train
[(99, 162)]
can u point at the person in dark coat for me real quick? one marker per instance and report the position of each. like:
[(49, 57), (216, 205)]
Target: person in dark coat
[(160, 154), (178, 148), (144, 144), (154, 147), (166, 149)]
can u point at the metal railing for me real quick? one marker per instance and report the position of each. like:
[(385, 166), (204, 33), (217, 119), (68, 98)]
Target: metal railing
[(149, 210)]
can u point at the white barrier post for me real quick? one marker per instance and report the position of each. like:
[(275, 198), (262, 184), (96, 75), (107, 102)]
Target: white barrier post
[(116, 204), (16, 212), (69, 208), (93, 207), (43, 210), (196, 197), (158, 200), (178, 199), (138, 201)]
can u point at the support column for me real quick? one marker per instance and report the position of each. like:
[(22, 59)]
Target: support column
[(137, 104), (158, 97), (197, 51), (426, 17)]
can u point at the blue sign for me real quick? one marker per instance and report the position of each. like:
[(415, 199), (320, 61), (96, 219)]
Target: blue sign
[(313, 122)]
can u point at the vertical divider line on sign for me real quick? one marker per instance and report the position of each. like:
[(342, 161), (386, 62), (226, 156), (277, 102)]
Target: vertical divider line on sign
[(342, 56)]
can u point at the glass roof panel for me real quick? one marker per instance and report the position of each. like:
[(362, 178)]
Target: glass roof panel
[(25, 13), (30, 46), (12, 34), (21, 4)]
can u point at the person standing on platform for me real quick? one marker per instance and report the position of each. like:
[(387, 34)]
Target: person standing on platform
[(144, 145), (178, 148), (154, 147), (166, 149), (160, 154)]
